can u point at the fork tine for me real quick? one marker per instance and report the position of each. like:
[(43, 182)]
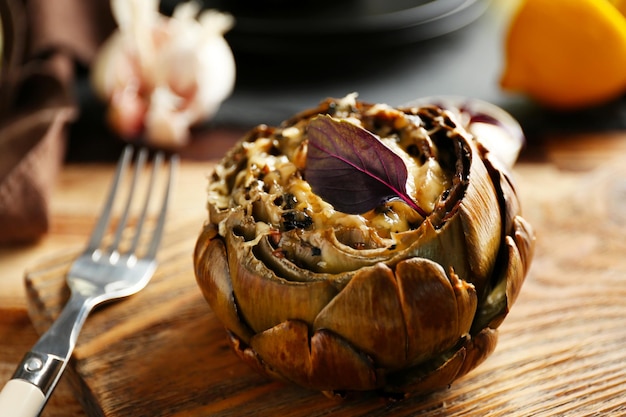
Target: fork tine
[(156, 166), (105, 216), (141, 159), (158, 230)]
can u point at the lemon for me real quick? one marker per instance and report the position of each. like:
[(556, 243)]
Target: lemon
[(566, 53), (620, 5)]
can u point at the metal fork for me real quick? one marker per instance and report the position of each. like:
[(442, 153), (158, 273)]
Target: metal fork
[(103, 272)]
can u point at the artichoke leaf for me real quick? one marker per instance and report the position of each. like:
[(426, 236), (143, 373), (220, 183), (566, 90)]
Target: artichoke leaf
[(285, 348), (482, 224), (443, 370), (252, 358), (444, 246), (216, 215), (367, 313), (265, 299), (432, 376), (285, 268), (498, 302), (477, 349), (520, 252), (515, 275), (437, 309), (524, 236), (466, 302), (324, 362), (338, 365), (213, 275), (332, 256), (506, 191)]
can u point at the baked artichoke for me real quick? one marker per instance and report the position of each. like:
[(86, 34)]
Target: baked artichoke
[(359, 247)]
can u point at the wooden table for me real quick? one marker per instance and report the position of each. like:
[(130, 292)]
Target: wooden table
[(562, 350)]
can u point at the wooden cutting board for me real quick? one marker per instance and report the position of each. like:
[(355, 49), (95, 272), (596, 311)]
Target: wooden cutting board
[(562, 350)]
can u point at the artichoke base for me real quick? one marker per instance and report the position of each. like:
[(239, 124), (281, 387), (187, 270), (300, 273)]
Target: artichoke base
[(341, 382)]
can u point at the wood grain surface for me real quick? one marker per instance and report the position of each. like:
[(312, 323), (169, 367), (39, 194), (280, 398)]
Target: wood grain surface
[(562, 349)]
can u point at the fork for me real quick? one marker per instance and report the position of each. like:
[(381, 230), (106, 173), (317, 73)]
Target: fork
[(102, 272)]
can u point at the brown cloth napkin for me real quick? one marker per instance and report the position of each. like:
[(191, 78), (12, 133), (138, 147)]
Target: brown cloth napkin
[(43, 42)]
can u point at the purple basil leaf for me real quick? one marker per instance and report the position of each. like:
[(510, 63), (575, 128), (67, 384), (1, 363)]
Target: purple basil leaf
[(351, 168)]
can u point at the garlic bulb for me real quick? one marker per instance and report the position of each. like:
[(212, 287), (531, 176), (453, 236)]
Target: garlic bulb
[(161, 75)]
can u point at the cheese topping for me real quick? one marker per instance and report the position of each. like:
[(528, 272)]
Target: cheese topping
[(267, 183), (267, 177)]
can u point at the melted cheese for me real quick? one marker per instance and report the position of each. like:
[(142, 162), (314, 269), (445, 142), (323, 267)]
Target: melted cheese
[(268, 176)]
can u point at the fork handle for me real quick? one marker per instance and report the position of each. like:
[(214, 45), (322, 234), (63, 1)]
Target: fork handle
[(20, 398), (39, 371), (29, 388)]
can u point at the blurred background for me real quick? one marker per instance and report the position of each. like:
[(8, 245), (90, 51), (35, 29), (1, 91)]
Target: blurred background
[(292, 55)]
